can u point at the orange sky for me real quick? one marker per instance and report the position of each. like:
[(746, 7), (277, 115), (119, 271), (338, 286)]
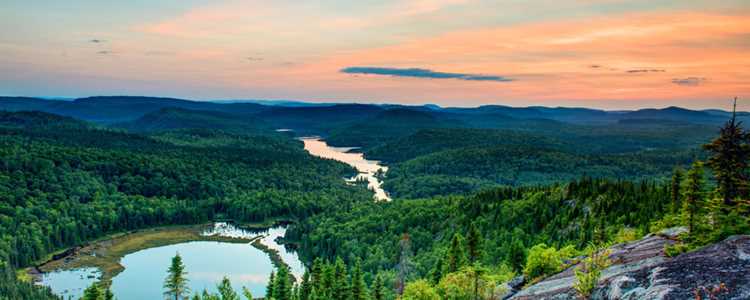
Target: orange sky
[(597, 53)]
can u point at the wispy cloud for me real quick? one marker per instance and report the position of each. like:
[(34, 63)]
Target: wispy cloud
[(97, 41), (689, 81), (422, 73), (646, 71)]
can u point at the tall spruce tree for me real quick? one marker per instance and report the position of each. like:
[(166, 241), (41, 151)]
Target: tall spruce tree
[(730, 153), (271, 284), (306, 287), (93, 292), (226, 291), (693, 202), (359, 288), (341, 281), (282, 289), (676, 193), (456, 254), (474, 244), (377, 288), (176, 282)]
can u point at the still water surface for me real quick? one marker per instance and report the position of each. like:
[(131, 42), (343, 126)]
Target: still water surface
[(207, 262)]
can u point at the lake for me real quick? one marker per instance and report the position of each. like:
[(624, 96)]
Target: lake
[(367, 168), (206, 262)]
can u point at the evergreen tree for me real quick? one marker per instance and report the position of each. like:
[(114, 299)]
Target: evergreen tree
[(729, 160), (456, 255), (328, 282), (282, 289), (516, 256), (306, 287), (93, 292), (176, 282), (316, 276), (693, 196), (377, 288), (246, 292), (226, 291), (676, 193), (437, 271), (474, 244), (108, 295), (271, 284), (341, 283), (359, 288)]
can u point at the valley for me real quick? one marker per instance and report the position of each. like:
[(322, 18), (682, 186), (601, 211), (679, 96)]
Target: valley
[(390, 198)]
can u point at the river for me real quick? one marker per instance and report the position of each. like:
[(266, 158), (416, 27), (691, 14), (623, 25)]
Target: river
[(367, 168)]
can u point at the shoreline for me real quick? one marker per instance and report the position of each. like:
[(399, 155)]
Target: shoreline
[(106, 252)]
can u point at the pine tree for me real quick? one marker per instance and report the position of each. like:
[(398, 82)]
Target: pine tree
[(271, 284), (282, 289), (456, 255), (108, 295), (226, 291), (328, 282), (359, 288), (516, 256), (437, 271), (675, 189), (176, 282), (729, 160), (93, 292), (377, 288), (341, 283), (246, 292), (474, 244), (306, 287), (693, 196)]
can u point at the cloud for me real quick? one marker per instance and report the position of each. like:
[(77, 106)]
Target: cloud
[(97, 41), (422, 73), (689, 81), (646, 71)]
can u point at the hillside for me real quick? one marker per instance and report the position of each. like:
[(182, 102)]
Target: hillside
[(387, 126), (177, 118)]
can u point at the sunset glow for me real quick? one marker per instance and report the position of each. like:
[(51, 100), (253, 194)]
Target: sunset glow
[(597, 53)]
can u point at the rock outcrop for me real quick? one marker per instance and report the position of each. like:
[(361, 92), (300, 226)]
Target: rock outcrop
[(641, 270)]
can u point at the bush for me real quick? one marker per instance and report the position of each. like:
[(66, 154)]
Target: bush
[(676, 249), (420, 290), (588, 273), (543, 261)]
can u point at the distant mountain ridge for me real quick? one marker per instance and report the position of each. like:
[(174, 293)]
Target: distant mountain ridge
[(323, 117)]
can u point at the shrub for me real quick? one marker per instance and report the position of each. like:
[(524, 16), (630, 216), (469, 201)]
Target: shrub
[(588, 273), (543, 261)]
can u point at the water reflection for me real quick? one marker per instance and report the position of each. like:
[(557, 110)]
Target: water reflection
[(368, 169)]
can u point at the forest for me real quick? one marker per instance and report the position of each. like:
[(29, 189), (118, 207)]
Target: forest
[(474, 206)]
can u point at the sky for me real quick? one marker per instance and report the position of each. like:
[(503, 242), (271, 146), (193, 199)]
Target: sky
[(610, 54)]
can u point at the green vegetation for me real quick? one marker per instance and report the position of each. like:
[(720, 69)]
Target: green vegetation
[(63, 182), (473, 207), (105, 253), (460, 161), (94, 292), (175, 285), (588, 273)]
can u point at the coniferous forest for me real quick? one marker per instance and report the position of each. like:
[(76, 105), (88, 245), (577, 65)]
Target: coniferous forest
[(474, 205)]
